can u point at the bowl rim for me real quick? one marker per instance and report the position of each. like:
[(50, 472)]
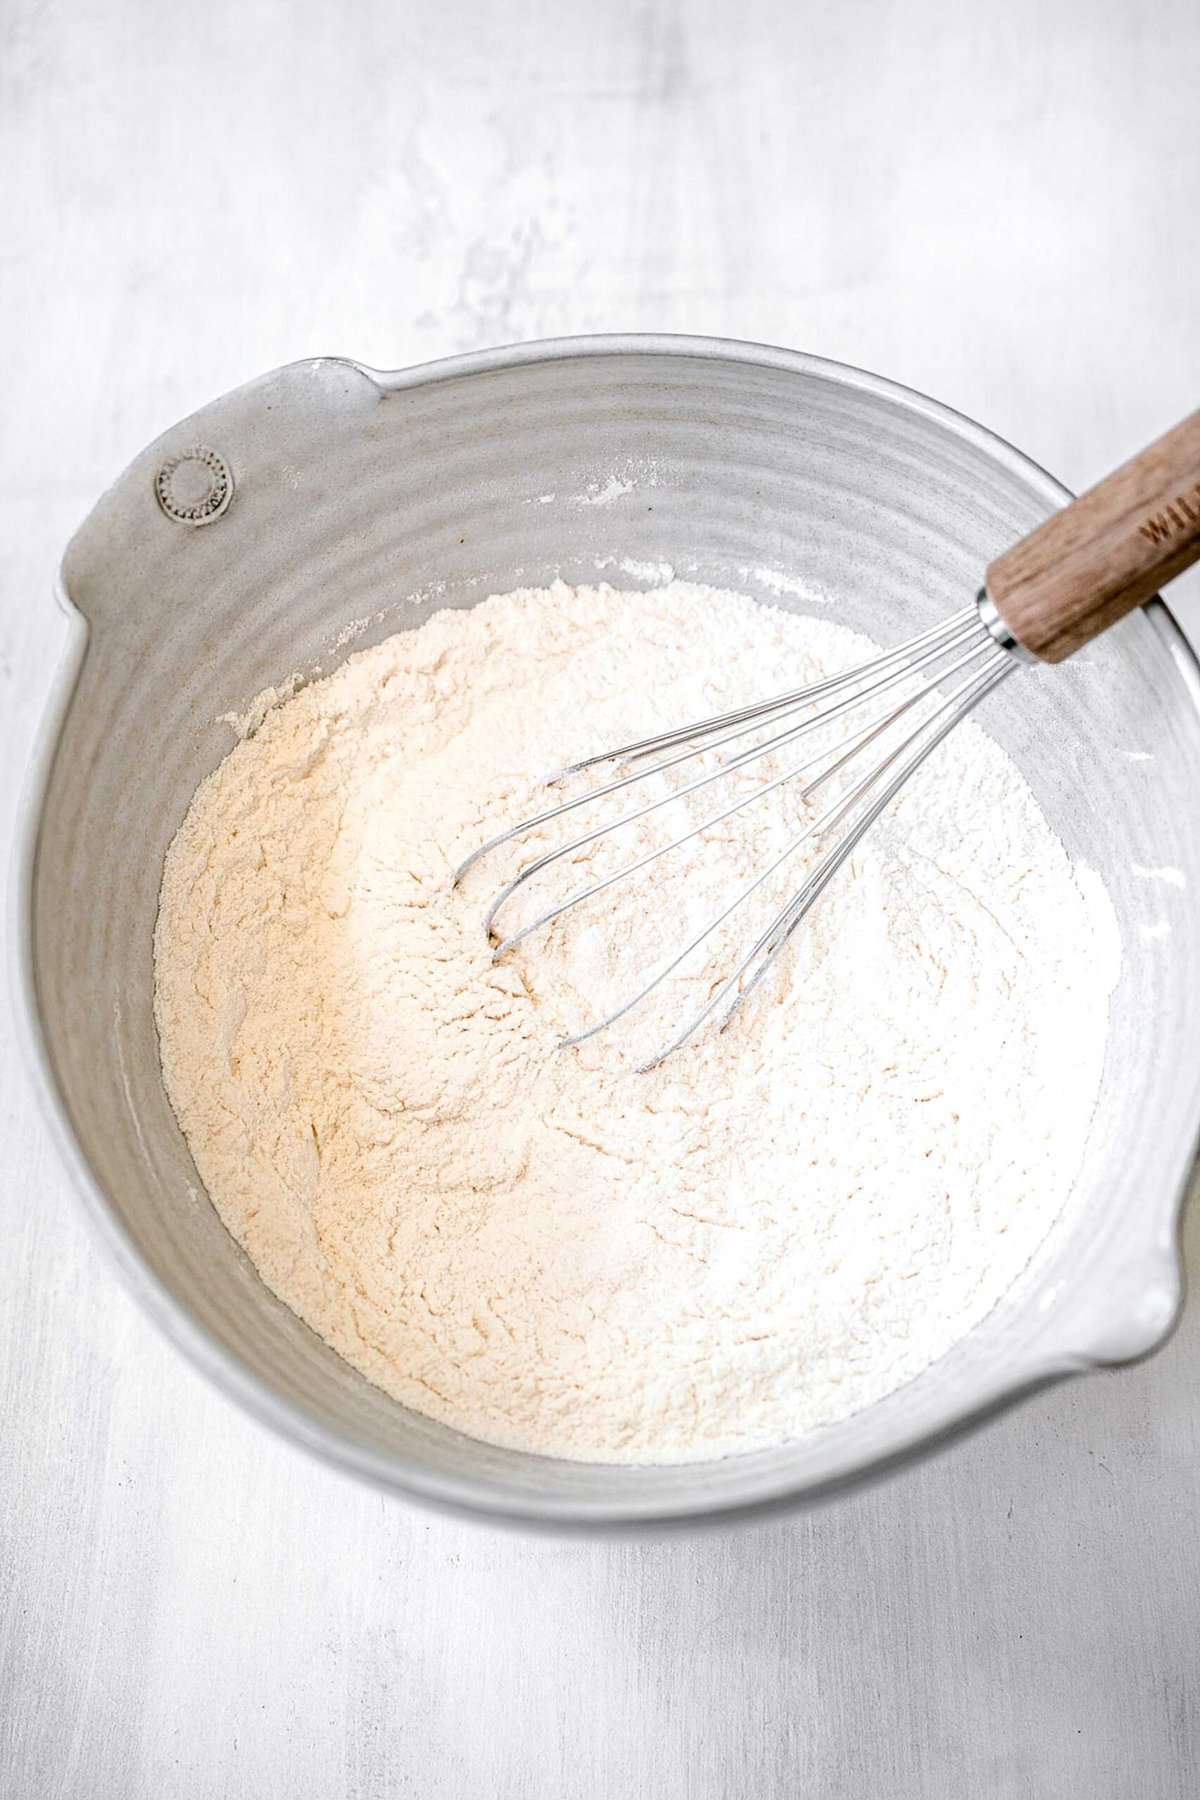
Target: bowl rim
[(470, 1496)]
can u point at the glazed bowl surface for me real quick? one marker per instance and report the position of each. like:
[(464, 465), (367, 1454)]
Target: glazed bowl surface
[(362, 502)]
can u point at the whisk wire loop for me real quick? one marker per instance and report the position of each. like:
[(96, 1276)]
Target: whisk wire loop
[(745, 720), (960, 647), (771, 944), (843, 759)]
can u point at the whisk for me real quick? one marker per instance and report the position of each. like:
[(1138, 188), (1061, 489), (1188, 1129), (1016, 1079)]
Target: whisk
[(1064, 584)]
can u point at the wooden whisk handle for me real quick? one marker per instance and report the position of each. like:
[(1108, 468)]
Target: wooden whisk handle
[(1105, 553)]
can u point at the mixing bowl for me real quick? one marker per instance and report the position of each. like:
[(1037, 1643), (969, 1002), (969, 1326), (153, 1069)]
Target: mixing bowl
[(335, 504)]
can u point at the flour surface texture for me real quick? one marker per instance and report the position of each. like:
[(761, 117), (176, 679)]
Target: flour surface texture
[(545, 1248)]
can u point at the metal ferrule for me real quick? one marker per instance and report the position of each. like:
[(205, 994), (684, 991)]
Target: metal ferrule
[(996, 628)]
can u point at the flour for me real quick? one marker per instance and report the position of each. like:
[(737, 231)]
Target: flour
[(544, 1248)]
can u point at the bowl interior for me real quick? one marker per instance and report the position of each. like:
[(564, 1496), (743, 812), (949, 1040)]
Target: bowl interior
[(368, 502)]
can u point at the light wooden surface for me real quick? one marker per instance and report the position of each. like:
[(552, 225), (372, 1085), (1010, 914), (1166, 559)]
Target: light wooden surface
[(994, 204)]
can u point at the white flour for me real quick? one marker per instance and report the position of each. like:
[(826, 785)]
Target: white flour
[(544, 1248)]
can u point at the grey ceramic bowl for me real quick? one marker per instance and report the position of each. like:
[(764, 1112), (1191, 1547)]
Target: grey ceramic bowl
[(382, 497)]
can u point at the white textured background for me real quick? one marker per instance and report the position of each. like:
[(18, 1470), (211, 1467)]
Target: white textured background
[(995, 204)]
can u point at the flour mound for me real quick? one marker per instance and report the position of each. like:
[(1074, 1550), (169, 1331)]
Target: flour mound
[(544, 1248)]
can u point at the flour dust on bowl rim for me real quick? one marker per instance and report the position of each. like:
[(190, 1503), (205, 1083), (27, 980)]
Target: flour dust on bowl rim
[(328, 505)]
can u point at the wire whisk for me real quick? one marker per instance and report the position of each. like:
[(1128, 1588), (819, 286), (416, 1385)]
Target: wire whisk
[(959, 651), (1054, 591)]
